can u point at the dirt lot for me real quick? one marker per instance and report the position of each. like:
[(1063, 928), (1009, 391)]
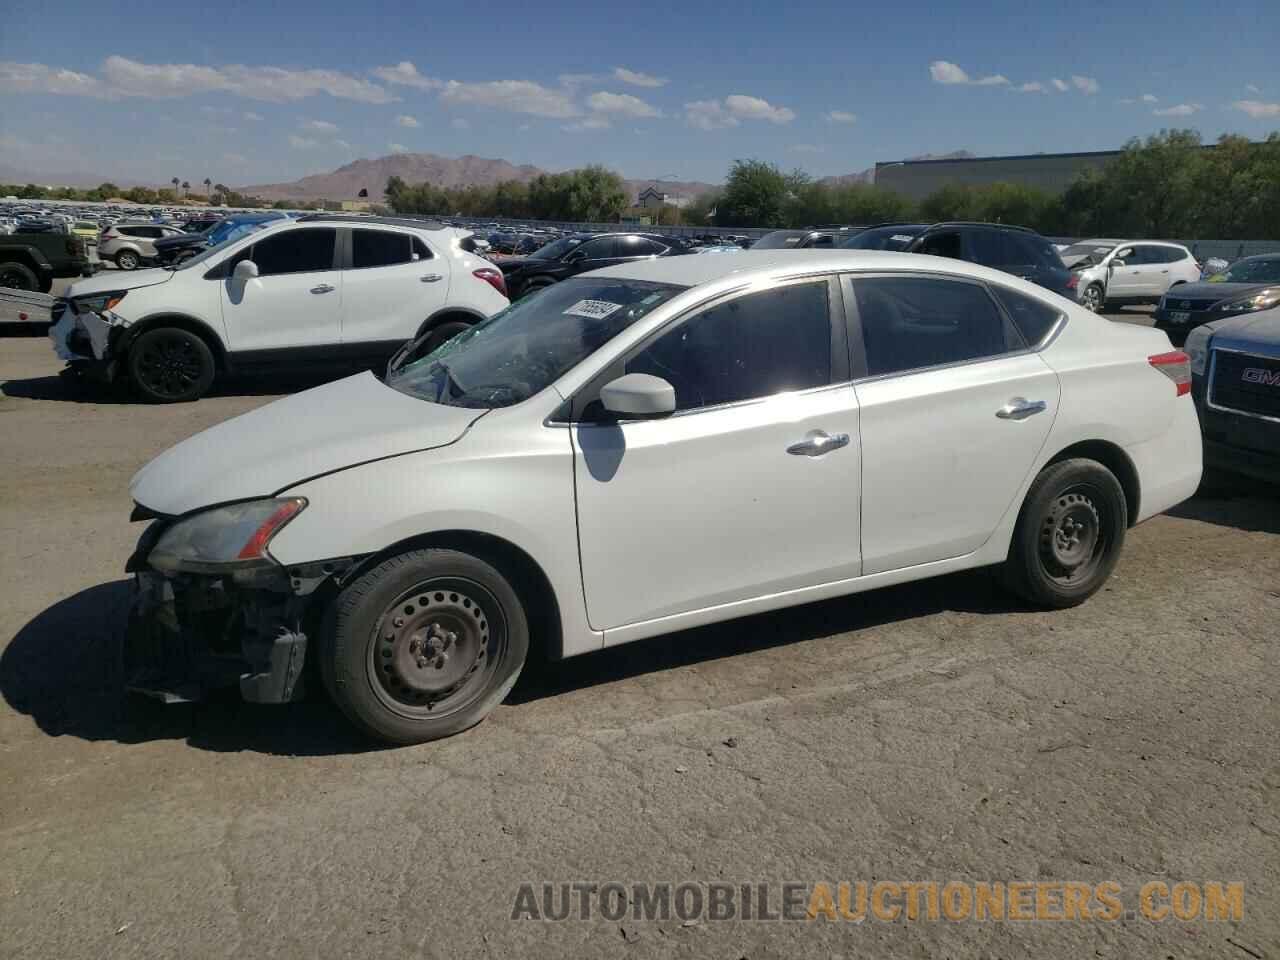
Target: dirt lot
[(927, 732)]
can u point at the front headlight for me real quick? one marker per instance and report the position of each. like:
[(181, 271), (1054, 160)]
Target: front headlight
[(1257, 301), (224, 539), (1197, 348), (98, 302)]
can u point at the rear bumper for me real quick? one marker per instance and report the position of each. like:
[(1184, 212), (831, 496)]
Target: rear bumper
[(1169, 466)]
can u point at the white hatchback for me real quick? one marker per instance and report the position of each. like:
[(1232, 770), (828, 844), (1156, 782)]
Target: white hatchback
[(647, 448)]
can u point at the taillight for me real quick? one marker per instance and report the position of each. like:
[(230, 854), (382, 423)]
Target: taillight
[(1073, 281), (492, 276), (1175, 365)]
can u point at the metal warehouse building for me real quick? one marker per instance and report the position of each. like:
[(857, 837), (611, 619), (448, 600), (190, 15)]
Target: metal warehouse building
[(1048, 171)]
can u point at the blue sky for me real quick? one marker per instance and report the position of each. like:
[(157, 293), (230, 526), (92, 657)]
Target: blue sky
[(272, 91)]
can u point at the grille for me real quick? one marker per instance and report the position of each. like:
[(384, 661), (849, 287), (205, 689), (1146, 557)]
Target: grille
[(1246, 383), (1174, 302)]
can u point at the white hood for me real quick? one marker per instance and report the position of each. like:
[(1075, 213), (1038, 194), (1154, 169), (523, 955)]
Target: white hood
[(109, 280), (318, 431)]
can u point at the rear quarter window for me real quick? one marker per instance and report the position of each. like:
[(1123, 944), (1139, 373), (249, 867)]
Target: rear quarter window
[(1033, 318)]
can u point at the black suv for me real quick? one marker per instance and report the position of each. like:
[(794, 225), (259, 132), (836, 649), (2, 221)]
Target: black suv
[(1016, 250), (569, 256)]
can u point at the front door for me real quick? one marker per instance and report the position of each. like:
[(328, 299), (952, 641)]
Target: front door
[(953, 413), (296, 300), (750, 488), (393, 282), (594, 254), (1125, 281)]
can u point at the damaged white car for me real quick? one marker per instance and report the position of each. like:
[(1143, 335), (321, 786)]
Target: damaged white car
[(643, 449), (320, 289)]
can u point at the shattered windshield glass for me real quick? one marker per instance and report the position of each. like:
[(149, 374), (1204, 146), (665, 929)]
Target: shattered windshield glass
[(518, 352)]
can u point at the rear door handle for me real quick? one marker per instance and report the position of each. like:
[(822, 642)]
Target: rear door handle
[(322, 288), (817, 442), (430, 277), (1019, 408)]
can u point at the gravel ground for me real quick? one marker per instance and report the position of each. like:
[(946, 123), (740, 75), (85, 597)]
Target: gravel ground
[(934, 731)]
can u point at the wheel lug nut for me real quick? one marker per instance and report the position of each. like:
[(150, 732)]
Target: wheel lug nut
[(398, 622), (422, 662)]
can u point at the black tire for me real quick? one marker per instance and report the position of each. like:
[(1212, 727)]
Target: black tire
[(446, 331), (18, 276), (1069, 534), (170, 365), (128, 260), (385, 645), (1094, 298)]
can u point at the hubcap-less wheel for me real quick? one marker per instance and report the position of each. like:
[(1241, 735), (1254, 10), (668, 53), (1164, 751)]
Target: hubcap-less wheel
[(169, 365), (1071, 538), (16, 280), (436, 647), (1093, 298)]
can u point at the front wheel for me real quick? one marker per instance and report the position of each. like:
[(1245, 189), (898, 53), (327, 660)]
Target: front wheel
[(1069, 534), (424, 645), (1094, 299), (169, 365)]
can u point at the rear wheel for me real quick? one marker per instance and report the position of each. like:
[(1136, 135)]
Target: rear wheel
[(170, 365), (18, 276), (1069, 534), (127, 260), (446, 331), (424, 645)]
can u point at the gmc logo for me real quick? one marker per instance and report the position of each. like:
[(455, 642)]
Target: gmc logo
[(1268, 378)]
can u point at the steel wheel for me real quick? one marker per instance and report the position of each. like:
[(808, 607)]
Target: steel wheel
[(1092, 298), (16, 276), (436, 648), (1072, 538)]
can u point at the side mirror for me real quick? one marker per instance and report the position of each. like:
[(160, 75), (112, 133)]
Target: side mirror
[(245, 271), (1116, 263), (638, 396)]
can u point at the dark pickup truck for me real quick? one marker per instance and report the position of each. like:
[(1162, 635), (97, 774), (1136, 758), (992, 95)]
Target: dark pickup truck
[(31, 261)]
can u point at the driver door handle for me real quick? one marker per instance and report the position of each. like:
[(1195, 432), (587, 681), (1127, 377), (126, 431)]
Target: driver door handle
[(817, 442), (1019, 408), (431, 277), (322, 288)]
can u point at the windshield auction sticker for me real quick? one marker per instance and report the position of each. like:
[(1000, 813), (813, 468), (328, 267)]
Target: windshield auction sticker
[(593, 309)]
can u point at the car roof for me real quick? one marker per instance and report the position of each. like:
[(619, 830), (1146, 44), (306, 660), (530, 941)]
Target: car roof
[(761, 264), (375, 221), (979, 223)]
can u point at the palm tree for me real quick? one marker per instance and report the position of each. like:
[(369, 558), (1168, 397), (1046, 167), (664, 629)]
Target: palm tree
[(208, 186), (175, 181), (185, 187)]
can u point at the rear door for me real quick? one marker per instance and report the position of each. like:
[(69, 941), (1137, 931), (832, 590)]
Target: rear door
[(296, 300), (391, 282), (954, 409), (1151, 271)]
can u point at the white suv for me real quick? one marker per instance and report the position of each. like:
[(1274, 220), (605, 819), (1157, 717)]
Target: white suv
[(350, 289), (1117, 272)]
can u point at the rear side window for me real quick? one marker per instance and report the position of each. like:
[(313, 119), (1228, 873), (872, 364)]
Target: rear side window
[(941, 245), (297, 251), (750, 347), (913, 322), (379, 248), (1033, 318), (602, 248)]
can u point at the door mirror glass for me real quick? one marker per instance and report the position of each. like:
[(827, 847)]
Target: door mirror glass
[(1117, 262), (245, 271), (638, 396)]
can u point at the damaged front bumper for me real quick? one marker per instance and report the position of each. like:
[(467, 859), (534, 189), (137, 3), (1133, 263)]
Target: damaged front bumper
[(191, 634), (86, 340)]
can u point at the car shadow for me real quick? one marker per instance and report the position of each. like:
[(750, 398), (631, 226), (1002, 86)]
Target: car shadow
[(63, 669), (1240, 503), (70, 389)]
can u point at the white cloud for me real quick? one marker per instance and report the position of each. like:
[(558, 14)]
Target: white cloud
[(622, 103), (302, 143), (841, 116), (637, 79), (130, 78), (318, 126), (1060, 85), (39, 78), (517, 96), (806, 148), (397, 148), (342, 145), (950, 74), (708, 115), (405, 74), (1035, 86), (753, 108), (1127, 101), (404, 120), (252, 117), (236, 158), (1180, 110), (458, 123), (590, 123), (1251, 88), (1150, 98), (1085, 84), (1258, 109)]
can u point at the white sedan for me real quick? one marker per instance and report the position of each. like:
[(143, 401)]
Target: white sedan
[(643, 449)]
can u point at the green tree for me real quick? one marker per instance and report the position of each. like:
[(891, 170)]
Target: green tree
[(754, 195)]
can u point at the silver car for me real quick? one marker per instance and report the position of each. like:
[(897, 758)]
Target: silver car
[(129, 245)]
